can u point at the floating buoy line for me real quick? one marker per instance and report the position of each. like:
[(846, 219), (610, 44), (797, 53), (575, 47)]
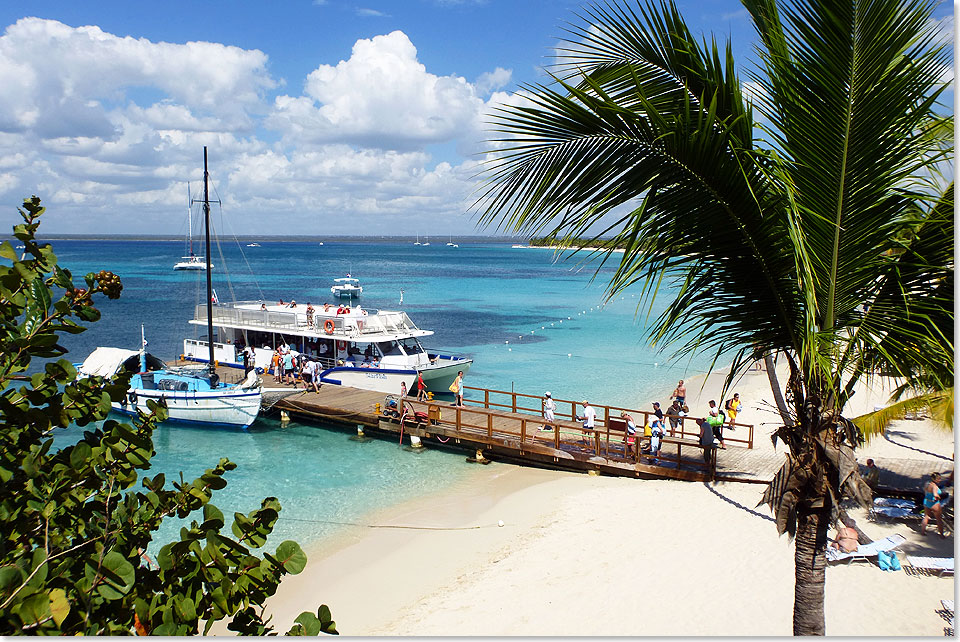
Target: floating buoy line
[(397, 526)]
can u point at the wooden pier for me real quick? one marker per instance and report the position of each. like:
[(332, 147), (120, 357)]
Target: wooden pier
[(505, 426)]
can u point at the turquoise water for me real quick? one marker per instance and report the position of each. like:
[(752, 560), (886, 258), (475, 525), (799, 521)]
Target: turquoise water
[(479, 299)]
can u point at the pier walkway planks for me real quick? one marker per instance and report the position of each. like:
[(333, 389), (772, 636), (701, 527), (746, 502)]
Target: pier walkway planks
[(353, 407)]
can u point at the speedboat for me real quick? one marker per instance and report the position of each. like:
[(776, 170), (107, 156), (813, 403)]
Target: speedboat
[(367, 349), (253, 245), (346, 287), (190, 393)]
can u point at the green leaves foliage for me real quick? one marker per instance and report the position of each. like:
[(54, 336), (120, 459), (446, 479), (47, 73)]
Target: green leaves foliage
[(76, 521)]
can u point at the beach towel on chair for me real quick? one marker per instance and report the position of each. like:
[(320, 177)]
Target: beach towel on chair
[(888, 561)]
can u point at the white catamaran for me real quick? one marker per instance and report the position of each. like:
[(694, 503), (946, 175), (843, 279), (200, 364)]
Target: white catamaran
[(191, 394)]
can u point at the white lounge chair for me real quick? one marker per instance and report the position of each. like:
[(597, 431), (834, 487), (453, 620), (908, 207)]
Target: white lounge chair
[(938, 565), (866, 551)]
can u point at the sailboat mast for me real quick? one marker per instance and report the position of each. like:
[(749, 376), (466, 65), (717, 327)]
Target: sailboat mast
[(189, 219), (206, 220)]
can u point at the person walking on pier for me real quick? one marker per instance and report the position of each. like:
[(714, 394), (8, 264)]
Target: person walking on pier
[(421, 388), (403, 389), (457, 389), (733, 406), (674, 412), (549, 406), (249, 360), (589, 420), (309, 374), (716, 423)]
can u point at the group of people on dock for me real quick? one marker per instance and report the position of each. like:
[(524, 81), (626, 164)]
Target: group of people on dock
[(711, 425)]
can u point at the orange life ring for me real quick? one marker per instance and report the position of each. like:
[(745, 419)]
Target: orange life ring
[(328, 326), (341, 345)]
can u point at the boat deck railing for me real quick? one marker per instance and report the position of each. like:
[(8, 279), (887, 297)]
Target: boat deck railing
[(328, 323)]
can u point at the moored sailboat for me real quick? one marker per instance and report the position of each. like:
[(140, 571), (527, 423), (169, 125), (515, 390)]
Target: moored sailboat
[(190, 393)]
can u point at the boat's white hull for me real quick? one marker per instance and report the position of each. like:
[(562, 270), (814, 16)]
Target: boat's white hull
[(225, 407), (190, 266)]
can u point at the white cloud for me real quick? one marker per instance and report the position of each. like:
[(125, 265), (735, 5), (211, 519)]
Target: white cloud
[(493, 80), (107, 129), (381, 97), (63, 80)]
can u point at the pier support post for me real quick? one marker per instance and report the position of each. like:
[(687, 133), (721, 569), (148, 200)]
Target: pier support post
[(284, 417), (359, 430), (415, 442)]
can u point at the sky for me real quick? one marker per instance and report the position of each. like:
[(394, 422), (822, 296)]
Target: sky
[(337, 117)]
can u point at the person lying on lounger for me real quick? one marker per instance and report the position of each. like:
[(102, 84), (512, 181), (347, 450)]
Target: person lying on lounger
[(847, 538)]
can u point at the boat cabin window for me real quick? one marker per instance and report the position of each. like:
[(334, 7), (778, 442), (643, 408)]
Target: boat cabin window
[(389, 348), (411, 345)]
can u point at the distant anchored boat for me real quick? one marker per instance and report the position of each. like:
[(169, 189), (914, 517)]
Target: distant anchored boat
[(346, 287), (191, 262)]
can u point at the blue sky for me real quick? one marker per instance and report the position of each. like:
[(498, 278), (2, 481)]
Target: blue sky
[(322, 116)]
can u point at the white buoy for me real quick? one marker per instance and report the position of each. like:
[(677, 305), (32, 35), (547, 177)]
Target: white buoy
[(500, 523), (509, 349), (569, 355), (656, 365), (568, 318), (560, 322), (506, 342), (543, 328)]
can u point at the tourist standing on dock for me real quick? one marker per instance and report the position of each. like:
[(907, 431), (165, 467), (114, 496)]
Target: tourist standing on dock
[(310, 312), (249, 360), (549, 406), (674, 412), (631, 431), (733, 407), (457, 388), (680, 393), (421, 388), (309, 374), (286, 370), (713, 418), (589, 419), (403, 389)]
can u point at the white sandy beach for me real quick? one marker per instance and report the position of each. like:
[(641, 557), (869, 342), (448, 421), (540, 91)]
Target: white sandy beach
[(588, 555)]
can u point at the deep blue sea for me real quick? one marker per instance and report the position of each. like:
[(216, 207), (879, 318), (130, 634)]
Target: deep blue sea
[(532, 321)]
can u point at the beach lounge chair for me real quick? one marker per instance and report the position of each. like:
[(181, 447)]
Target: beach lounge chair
[(866, 551), (936, 565)]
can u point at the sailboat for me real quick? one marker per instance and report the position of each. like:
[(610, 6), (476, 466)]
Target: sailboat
[(191, 394), (192, 262), (450, 243), (426, 241), (418, 239)]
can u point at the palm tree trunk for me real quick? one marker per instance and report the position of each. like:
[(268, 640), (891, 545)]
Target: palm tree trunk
[(810, 564), (771, 368)]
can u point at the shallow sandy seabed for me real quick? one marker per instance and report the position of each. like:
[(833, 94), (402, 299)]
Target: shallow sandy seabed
[(588, 555)]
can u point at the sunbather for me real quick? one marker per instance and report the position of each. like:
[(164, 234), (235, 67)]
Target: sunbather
[(931, 505), (847, 538)]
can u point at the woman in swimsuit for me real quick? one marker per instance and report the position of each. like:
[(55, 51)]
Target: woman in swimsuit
[(931, 505)]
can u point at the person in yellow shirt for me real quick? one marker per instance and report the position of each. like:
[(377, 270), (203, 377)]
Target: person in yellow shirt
[(732, 408)]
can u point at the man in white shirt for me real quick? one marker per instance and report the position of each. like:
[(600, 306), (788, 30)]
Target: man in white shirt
[(549, 406), (589, 419), (309, 375)]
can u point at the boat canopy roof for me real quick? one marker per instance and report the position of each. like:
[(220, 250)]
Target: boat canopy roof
[(346, 280), (104, 362)]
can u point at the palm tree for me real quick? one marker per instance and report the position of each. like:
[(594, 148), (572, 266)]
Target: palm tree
[(812, 232)]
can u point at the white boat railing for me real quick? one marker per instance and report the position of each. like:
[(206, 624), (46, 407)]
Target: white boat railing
[(374, 322)]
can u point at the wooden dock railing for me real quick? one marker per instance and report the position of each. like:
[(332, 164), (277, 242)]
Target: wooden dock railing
[(501, 427), (687, 427)]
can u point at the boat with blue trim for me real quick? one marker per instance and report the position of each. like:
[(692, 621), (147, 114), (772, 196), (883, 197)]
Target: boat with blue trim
[(366, 349), (191, 394)]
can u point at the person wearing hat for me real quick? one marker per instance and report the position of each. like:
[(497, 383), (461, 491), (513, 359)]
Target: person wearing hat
[(657, 429), (589, 419), (549, 406)]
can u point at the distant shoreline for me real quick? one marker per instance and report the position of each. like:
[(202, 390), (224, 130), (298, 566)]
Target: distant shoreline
[(520, 246)]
